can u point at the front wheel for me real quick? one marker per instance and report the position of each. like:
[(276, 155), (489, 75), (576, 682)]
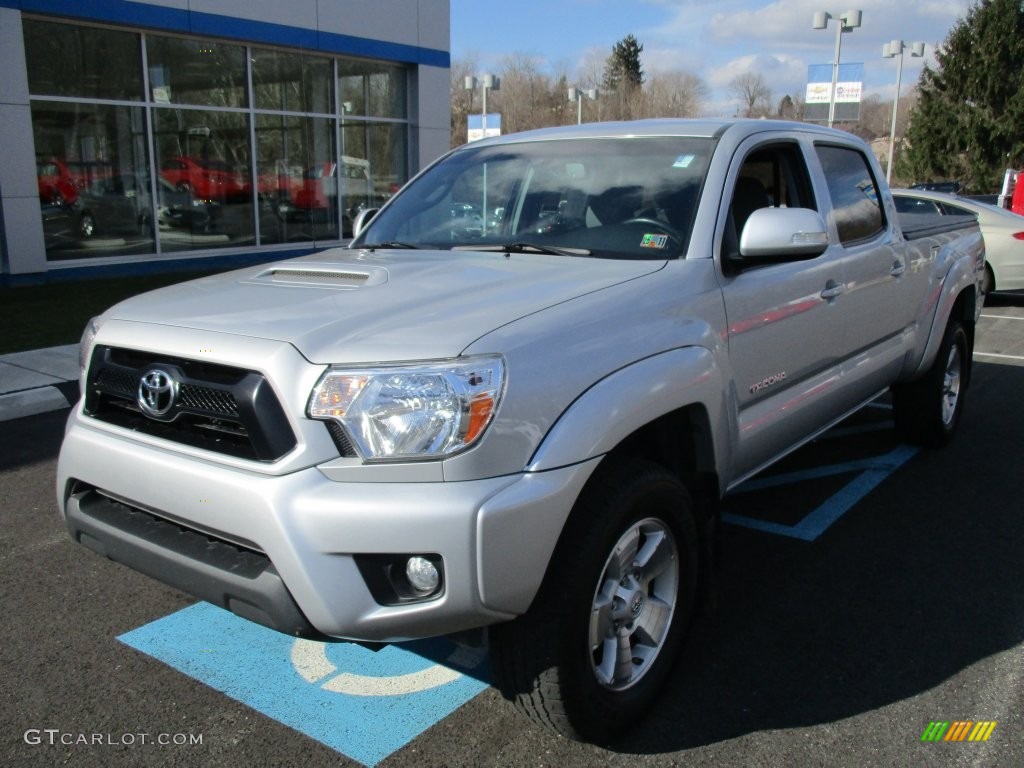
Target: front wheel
[(599, 642), (928, 410)]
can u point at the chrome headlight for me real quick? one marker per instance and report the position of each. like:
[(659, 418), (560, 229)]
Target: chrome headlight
[(414, 411)]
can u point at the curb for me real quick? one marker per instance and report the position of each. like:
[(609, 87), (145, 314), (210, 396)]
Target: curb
[(38, 381)]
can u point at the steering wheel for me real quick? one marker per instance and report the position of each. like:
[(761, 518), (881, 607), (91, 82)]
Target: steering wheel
[(668, 229)]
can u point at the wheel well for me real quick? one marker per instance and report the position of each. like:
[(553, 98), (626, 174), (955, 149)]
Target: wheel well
[(964, 311), (681, 441)]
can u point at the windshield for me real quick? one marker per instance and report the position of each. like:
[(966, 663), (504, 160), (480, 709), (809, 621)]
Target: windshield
[(620, 198)]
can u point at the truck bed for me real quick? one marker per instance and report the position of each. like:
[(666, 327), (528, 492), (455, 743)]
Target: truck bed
[(918, 225)]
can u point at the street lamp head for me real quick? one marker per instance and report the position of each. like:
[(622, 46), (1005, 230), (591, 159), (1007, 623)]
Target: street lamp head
[(821, 20), (592, 94), (851, 20), (572, 94), (470, 83), (917, 49)]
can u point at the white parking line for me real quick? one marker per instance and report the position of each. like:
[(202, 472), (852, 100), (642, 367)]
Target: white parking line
[(1001, 317)]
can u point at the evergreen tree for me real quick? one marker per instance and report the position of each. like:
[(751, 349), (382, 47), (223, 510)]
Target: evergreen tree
[(969, 120), (622, 69)]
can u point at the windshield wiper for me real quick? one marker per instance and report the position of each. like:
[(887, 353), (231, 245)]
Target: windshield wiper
[(393, 244), (549, 250)]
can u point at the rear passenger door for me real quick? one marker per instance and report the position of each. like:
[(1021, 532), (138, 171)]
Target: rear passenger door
[(877, 302)]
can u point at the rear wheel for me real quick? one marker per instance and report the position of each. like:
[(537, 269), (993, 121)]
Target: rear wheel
[(928, 410), (599, 641), (988, 282)]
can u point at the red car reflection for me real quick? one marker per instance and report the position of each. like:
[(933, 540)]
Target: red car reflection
[(60, 181), (206, 179)]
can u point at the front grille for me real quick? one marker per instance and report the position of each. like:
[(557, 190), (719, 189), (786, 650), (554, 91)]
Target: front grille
[(219, 408)]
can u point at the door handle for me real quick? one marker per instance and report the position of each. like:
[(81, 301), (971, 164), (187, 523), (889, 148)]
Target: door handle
[(832, 289), (898, 269)]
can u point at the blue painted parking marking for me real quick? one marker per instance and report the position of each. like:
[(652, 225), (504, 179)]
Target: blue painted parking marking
[(871, 472), (365, 704)]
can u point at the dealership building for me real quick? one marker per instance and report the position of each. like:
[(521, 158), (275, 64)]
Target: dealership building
[(172, 131)]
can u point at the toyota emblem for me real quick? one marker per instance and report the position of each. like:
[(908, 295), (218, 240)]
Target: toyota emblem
[(158, 391)]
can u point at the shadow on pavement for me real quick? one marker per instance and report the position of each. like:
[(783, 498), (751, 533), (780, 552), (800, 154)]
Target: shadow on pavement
[(915, 584)]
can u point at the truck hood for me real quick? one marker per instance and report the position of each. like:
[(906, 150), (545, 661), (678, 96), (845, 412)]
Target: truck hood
[(350, 306)]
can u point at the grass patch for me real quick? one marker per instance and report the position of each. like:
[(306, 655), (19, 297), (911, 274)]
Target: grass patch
[(49, 315)]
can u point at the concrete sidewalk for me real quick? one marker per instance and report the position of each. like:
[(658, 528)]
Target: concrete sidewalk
[(38, 381)]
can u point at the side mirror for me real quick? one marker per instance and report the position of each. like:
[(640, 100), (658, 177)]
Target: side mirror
[(773, 235), (362, 219)]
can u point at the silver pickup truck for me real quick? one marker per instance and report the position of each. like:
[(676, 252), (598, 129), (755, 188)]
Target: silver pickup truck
[(515, 400)]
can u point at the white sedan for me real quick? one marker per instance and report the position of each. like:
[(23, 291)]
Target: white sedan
[(1003, 232)]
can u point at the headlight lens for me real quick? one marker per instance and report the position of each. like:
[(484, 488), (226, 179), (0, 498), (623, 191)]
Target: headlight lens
[(416, 411)]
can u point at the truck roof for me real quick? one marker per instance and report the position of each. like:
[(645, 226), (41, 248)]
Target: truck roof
[(661, 127)]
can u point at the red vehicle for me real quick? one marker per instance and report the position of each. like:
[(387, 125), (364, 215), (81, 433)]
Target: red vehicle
[(206, 179), (60, 181)]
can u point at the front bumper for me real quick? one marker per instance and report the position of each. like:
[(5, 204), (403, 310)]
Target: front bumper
[(281, 550)]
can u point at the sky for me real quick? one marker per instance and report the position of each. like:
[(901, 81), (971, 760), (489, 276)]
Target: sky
[(714, 39)]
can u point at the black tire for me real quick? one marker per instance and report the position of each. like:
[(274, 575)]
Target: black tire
[(600, 639), (928, 410), (988, 282)]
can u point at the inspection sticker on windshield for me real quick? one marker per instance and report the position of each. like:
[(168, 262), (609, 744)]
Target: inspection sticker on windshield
[(654, 241), (683, 161)]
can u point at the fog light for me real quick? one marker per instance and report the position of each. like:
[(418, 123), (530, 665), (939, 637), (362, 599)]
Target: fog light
[(422, 574)]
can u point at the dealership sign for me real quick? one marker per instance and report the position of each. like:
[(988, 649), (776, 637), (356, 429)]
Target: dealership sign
[(849, 87), (477, 128)]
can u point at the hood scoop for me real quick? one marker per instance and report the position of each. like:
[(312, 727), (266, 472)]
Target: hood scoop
[(321, 276)]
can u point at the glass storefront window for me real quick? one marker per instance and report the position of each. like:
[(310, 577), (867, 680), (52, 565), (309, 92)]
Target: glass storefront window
[(379, 149), (90, 63), (94, 189), (297, 175), (289, 82), (201, 72), (371, 89), (329, 134), (205, 179)]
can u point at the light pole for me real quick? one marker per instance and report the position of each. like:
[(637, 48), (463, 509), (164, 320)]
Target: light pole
[(847, 23), (577, 94), (889, 50), (487, 83)]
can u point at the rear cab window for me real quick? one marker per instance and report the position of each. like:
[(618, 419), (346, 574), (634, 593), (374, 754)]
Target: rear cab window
[(854, 193)]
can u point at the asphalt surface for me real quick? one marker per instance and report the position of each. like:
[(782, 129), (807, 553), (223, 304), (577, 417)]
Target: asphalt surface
[(838, 651)]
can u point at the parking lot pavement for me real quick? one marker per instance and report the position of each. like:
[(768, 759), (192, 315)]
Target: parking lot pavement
[(38, 381), (868, 595)]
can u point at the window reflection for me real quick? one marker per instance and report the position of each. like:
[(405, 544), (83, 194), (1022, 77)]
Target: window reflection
[(94, 192), (204, 158), (326, 145), (184, 71), (297, 178), (291, 82), (381, 147), (65, 60), (371, 89)]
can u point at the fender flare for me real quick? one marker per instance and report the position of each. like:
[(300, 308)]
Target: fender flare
[(632, 397), (963, 275)]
